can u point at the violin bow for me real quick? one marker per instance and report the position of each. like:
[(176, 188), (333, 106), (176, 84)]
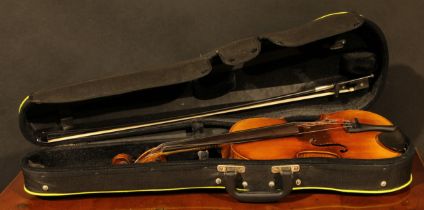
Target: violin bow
[(336, 88)]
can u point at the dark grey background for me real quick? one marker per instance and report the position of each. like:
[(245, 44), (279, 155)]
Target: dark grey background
[(45, 44)]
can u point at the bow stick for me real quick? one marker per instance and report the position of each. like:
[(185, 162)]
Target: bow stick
[(317, 92)]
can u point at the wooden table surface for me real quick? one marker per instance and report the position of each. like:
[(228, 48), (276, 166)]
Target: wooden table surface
[(14, 197)]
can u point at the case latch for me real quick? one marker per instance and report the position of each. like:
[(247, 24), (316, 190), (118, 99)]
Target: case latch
[(237, 169), (285, 169)]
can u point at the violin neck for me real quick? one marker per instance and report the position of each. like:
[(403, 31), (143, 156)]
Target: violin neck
[(263, 133)]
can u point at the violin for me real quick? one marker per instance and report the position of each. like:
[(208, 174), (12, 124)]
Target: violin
[(350, 134)]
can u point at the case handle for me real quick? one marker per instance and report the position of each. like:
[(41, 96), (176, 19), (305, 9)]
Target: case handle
[(278, 188), (275, 194)]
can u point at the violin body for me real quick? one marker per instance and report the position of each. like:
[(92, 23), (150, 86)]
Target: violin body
[(328, 143)]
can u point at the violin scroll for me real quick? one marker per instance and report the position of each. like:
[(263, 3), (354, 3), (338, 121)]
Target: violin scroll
[(147, 157), (122, 159)]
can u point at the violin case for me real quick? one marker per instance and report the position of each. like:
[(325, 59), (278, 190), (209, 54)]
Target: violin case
[(335, 47)]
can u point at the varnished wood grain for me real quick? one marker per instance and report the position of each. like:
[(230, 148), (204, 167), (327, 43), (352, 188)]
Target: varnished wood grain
[(14, 197), (369, 146)]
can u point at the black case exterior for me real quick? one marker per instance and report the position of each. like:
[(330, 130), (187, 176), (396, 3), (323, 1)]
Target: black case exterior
[(82, 165)]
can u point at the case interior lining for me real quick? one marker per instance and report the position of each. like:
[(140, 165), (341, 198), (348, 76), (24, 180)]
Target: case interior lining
[(276, 71)]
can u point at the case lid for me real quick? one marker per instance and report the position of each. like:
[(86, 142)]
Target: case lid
[(317, 57)]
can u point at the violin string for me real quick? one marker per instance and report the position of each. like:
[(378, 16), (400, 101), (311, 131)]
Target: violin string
[(326, 129), (176, 147), (346, 124)]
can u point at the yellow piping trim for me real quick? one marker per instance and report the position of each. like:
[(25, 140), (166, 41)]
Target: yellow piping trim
[(331, 14), (357, 191), (121, 191), (22, 104), (220, 187)]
